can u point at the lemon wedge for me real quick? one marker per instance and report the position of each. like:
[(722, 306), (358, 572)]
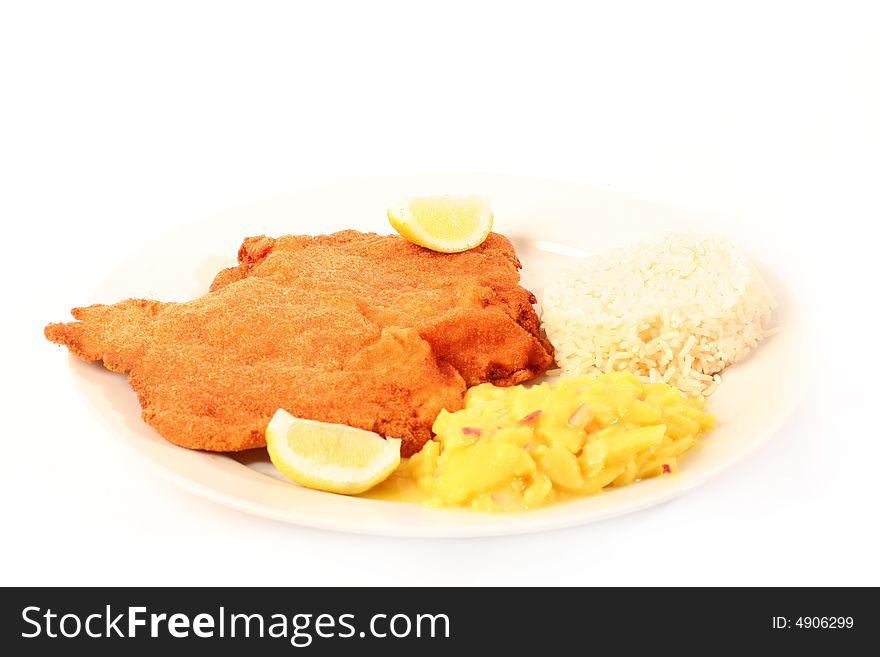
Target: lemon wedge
[(449, 224), (330, 457)]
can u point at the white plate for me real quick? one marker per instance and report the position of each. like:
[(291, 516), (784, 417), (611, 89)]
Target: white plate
[(545, 220)]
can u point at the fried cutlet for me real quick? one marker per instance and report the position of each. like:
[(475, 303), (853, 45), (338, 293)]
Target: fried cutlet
[(355, 328)]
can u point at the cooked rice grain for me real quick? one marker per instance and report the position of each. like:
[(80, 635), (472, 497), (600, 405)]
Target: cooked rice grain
[(678, 309)]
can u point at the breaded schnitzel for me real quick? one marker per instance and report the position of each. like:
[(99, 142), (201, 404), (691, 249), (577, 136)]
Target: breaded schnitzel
[(355, 328)]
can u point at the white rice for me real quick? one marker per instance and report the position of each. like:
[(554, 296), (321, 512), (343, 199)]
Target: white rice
[(678, 309)]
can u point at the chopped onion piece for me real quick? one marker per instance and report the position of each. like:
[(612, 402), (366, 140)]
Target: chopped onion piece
[(581, 416), (531, 418)]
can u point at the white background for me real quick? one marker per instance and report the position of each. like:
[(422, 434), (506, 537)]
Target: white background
[(119, 122)]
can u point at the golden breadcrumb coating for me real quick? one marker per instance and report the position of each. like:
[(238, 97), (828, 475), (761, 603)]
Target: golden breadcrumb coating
[(356, 328)]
